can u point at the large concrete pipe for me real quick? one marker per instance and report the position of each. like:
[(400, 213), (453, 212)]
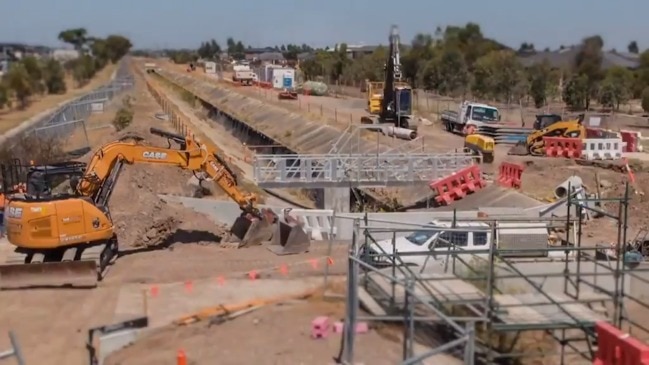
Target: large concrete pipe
[(573, 183), (403, 133)]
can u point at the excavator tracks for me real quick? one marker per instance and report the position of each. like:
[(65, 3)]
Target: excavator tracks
[(76, 267)]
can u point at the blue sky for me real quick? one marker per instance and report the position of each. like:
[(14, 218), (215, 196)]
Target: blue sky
[(175, 23)]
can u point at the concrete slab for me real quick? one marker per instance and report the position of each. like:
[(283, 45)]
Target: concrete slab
[(169, 302)]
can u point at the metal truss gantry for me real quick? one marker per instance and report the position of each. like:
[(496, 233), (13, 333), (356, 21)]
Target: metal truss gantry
[(355, 170), (352, 162)]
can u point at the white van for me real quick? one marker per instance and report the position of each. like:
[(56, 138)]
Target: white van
[(528, 239), (474, 236)]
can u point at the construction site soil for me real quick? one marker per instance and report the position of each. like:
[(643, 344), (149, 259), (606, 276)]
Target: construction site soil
[(160, 242), (163, 242)]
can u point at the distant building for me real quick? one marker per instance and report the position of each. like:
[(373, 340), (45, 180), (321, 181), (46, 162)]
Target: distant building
[(63, 54), (355, 51)]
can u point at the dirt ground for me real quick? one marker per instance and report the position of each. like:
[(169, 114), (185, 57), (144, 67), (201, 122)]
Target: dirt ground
[(160, 243), (11, 118)]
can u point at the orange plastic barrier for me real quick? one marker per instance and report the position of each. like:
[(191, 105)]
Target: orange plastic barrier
[(510, 175), (563, 147), (615, 347), (458, 185)]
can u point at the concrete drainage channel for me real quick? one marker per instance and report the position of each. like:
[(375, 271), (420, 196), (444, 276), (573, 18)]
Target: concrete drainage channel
[(256, 123)]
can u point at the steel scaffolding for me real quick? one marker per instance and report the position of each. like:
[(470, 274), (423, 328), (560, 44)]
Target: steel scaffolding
[(468, 296)]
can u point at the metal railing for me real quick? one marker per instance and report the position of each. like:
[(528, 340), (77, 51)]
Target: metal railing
[(15, 350)]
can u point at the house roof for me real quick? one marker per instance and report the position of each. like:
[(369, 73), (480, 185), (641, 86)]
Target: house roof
[(270, 56), (566, 57)]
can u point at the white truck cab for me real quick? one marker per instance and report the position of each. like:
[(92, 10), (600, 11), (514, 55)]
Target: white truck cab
[(469, 117), (465, 236)]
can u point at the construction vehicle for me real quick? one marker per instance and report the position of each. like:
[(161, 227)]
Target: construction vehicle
[(469, 117), (548, 125), (396, 100), (481, 146), (64, 234)]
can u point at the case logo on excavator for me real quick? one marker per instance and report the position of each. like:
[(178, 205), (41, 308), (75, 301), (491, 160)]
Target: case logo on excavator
[(154, 155)]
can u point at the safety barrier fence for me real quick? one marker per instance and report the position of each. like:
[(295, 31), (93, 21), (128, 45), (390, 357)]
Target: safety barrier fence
[(631, 138), (458, 185), (68, 122), (588, 149), (510, 175), (615, 347)]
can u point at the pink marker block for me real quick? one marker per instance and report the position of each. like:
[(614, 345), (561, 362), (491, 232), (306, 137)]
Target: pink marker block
[(361, 327), (320, 327)]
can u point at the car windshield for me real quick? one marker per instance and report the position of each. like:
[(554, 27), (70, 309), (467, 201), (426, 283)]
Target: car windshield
[(421, 237), (482, 114)]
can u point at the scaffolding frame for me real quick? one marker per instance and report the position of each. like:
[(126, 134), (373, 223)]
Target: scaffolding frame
[(412, 298)]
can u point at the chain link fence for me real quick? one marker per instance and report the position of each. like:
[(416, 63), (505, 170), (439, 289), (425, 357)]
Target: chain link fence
[(68, 123)]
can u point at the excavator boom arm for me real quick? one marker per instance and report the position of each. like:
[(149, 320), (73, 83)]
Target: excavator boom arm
[(191, 156)]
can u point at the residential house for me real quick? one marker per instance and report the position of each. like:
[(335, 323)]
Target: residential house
[(64, 54)]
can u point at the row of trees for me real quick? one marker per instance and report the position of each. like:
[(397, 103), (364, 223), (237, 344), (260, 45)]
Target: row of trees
[(461, 61), (37, 76)]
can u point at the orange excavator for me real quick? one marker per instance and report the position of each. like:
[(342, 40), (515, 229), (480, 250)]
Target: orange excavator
[(64, 234)]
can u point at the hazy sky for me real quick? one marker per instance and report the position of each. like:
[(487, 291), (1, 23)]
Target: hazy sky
[(175, 23)]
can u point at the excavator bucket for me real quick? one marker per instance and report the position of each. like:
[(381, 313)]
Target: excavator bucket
[(73, 274), (289, 238), (250, 231), (520, 149)]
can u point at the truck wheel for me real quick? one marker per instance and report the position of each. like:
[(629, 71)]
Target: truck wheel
[(449, 127)]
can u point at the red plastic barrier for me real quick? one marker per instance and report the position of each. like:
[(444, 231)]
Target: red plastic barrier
[(563, 147), (510, 175), (265, 85), (594, 132), (458, 185), (631, 138), (615, 347)]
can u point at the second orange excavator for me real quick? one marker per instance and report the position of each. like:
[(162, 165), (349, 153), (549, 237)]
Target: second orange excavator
[(64, 234)]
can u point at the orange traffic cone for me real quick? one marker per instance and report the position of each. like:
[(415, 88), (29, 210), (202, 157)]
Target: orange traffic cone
[(181, 358)]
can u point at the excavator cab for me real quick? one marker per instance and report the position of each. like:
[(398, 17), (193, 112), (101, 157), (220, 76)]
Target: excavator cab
[(545, 120)]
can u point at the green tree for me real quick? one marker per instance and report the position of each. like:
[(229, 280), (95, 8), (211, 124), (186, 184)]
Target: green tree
[(447, 73), (118, 46), (19, 82), (54, 77), (414, 61), (576, 93), (84, 69), (588, 62), (540, 81), (616, 87), (645, 99), (4, 95), (100, 52), (498, 75), (35, 73), (209, 50), (77, 37), (633, 47)]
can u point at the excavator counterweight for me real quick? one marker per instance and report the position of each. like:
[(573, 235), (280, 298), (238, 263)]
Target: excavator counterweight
[(64, 235)]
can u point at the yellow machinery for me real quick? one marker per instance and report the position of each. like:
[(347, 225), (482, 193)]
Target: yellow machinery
[(390, 101), (549, 125), (375, 95), (67, 238), (480, 145)]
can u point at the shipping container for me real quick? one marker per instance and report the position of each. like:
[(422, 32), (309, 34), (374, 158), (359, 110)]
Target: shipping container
[(268, 72), (284, 78)]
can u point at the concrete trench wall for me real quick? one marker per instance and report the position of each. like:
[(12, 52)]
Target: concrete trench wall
[(255, 122)]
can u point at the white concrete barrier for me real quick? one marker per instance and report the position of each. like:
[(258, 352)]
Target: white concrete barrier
[(603, 148)]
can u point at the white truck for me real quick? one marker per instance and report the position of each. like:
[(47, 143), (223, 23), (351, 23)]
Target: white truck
[(468, 236), (469, 117), (243, 74)]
